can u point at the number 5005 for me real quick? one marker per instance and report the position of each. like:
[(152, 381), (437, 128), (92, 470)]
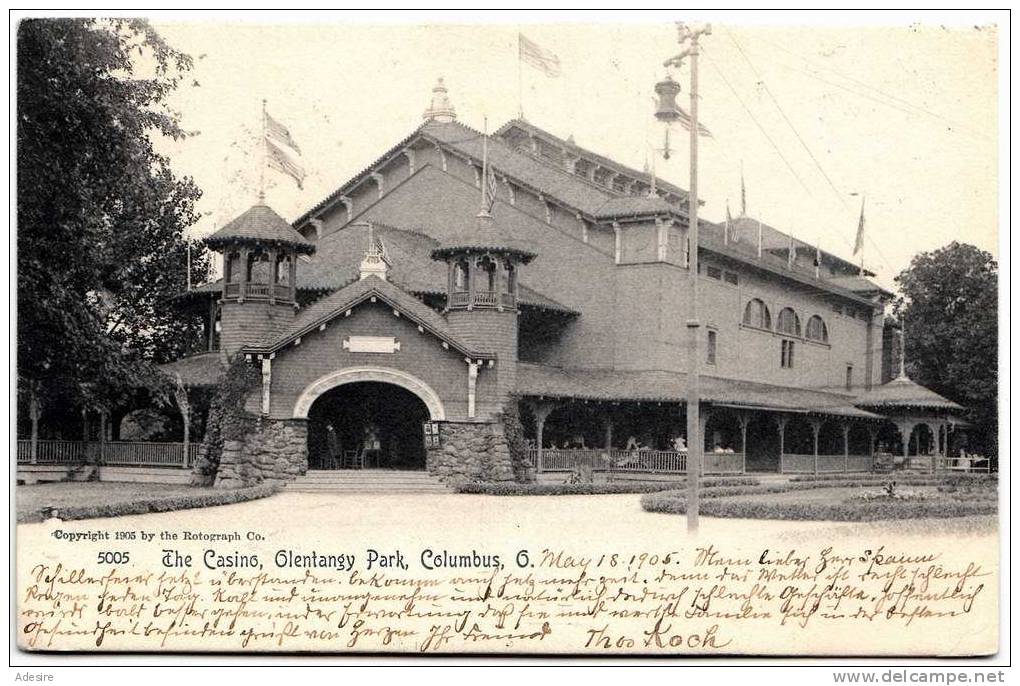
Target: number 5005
[(112, 558)]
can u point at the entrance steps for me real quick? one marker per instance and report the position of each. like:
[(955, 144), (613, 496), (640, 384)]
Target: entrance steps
[(356, 481)]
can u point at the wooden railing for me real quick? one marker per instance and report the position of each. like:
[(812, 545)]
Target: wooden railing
[(964, 464), (790, 463), (616, 460), (459, 298), (119, 453), (486, 298), (259, 291)]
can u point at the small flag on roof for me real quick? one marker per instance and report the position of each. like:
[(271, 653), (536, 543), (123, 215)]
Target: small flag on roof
[(538, 57)]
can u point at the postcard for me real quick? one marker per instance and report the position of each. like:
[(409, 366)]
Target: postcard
[(567, 339)]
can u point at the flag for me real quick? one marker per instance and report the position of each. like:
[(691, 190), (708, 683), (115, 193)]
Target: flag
[(685, 121), (726, 228), (278, 159), (743, 193), (859, 243), (538, 57), (490, 185), (276, 131)]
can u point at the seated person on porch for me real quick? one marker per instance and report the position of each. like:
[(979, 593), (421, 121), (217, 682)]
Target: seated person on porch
[(679, 444), (634, 444), (577, 441)]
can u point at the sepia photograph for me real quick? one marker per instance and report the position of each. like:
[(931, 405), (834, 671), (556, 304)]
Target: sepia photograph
[(507, 336)]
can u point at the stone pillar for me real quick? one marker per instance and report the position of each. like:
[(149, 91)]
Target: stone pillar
[(472, 381)]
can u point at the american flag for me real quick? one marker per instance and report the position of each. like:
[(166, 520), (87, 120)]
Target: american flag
[(544, 60), (490, 187), (859, 243), (279, 133), (278, 159)]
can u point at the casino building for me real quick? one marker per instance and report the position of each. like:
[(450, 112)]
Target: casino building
[(395, 326)]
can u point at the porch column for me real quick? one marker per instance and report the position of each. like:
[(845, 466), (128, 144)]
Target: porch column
[(242, 284), (816, 427), (181, 398), (703, 418), (607, 420), (872, 437), (33, 414), (472, 381), (846, 448), (472, 287), (906, 428), (212, 325), (781, 425), (744, 420), (102, 436), (272, 276), (541, 411)]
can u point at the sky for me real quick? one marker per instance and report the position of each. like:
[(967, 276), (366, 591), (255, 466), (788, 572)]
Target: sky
[(817, 118)]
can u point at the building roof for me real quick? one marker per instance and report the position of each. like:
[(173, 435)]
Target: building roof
[(663, 386), (903, 392), (634, 206), (260, 224), (203, 369), (858, 284), (483, 234), (356, 293)]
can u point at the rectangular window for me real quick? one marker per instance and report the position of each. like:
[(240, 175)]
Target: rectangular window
[(731, 278), (710, 352), (714, 272), (786, 356), (849, 377)]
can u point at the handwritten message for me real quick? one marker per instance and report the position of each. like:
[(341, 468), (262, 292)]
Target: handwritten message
[(703, 599)]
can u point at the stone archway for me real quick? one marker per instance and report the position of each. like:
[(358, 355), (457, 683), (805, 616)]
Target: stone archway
[(361, 374)]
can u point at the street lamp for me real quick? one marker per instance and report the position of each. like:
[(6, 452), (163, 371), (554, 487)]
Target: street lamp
[(668, 112)]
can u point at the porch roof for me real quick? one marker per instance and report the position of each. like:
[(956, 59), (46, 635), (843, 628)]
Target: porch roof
[(903, 392), (664, 386), (203, 369)]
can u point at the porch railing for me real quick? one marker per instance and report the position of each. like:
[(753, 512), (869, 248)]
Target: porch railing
[(790, 463), (113, 453), (618, 460)]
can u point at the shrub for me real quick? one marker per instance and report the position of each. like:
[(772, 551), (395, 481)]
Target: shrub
[(501, 488), (155, 504), (839, 512)]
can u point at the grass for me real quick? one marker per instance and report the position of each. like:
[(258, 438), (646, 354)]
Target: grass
[(601, 488), (88, 500), (833, 499)]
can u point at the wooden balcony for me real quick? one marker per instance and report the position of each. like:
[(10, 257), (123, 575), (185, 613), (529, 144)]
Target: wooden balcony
[(258, 291), (483, 300), (654, 461)]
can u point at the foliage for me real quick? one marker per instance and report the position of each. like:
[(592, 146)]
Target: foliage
[(589, 488), (513, 430), (101, 216), (141, 503), (227, 419), (949, 306)]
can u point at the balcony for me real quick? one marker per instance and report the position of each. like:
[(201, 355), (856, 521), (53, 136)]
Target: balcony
[(483, 300), (258, 291)]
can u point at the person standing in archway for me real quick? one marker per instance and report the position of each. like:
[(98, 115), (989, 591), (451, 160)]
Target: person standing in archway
[(332, 447), (372, 446)]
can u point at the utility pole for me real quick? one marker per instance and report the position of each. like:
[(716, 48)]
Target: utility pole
[(689, 37)]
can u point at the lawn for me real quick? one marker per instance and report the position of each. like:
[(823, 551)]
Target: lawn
[(85, 500), (840, 500)]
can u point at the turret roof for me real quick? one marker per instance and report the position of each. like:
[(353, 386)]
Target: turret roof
[(260, 224), (904, 392)]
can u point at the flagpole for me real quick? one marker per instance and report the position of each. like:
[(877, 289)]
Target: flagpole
[(863, 197), (265, 156), (520, 78)]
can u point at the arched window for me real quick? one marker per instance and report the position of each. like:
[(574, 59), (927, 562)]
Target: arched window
[(788, 322), (756, 314), (816, 330), (259, 269), (232, 271), (488, 273), (508, 276), (460, 276), (283, 270)]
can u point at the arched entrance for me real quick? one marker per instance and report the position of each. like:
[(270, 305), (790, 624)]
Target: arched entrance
[(367, 417), (367, 425)]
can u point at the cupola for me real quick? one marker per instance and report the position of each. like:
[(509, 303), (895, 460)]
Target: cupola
[(440, 108)]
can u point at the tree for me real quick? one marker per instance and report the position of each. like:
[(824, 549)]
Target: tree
[(949, 305), (101, 215)]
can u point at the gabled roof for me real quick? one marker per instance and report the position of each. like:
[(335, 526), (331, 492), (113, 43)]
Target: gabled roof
[(663, 386), (903, 392), (354, 294), (260, 224), (203, 369)]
